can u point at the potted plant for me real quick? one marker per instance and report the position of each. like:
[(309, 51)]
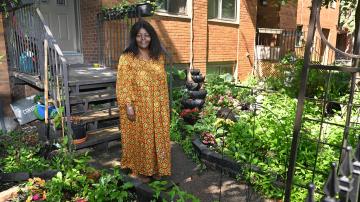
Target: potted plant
[(145, 9), (78, 128)]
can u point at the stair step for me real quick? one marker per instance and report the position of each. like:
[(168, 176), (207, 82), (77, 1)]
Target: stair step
[(103, 135), (91, 97), (100, 115), (93, 92)]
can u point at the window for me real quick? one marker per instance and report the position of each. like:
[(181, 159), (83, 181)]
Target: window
[(60, 2), (299, 36), (222, 9), (177, 7), (220, 68)]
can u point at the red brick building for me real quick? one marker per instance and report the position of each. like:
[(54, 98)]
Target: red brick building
[(212, 35)]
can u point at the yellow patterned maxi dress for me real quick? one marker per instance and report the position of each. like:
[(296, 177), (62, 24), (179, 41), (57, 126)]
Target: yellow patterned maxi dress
[(146, 141)]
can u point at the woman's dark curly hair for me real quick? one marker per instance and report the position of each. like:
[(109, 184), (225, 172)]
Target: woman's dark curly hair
[(155, 46)]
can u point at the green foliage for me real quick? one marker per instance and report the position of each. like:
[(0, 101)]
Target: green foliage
[(175, 194), (288, 77), (23, 159), (19, 152), (111, 188)]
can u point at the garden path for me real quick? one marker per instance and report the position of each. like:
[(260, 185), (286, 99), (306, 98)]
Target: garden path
[(204, 184)]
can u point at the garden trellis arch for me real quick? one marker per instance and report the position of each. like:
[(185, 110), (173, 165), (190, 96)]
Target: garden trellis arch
[(300, 114)]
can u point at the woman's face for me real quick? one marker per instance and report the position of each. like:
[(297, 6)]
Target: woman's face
[(143, 39)]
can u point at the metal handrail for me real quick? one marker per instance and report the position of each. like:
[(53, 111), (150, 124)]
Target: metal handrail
[(26, 32)]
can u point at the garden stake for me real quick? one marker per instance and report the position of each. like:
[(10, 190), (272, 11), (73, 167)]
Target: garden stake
[(46, 91)]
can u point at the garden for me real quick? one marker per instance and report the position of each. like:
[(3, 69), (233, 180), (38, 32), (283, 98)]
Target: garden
[(43, 173), (251, 125)]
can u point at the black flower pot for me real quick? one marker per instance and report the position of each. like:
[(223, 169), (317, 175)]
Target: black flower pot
[(198, 78), (79, 133), (195, 71), (144, 10), (226, 113), (190, 120), (201, 94), (193, 86), (192, 103)]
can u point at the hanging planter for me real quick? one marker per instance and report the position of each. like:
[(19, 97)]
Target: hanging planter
[(144, 10)]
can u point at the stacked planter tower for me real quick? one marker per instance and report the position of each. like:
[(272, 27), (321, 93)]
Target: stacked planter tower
[(195, 100)]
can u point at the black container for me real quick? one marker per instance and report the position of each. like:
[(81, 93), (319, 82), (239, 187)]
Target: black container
[(144, 10), (192, 103), (198, 78), (201, 94), (79, 131), (195, 71)]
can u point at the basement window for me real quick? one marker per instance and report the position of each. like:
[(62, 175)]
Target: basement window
[(175, 7), (222, 10), (219, 68)]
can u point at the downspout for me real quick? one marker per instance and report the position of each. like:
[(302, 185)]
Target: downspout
[(236, 72), (192, 36)]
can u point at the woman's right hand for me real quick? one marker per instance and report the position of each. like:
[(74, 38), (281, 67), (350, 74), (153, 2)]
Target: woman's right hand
[(130, 112)]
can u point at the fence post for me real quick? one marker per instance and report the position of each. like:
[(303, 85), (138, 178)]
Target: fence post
[(310, 197), (331, 187), (354, 194), (345, 172)]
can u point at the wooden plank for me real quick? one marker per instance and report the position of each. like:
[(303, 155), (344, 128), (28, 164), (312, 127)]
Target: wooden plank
[(100, 136), (93, 92), (87, 74), (100, 115), (92, 98), (34, 80)]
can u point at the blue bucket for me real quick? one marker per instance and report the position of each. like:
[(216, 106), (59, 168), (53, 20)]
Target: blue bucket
[(40, 111)]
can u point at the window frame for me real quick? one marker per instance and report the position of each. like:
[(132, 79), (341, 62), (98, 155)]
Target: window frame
[(231, 65), (187, 14), (219, 18)]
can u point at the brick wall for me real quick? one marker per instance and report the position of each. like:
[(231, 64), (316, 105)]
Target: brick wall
[(209, 42), (5, 94), (200, 34), (275, 15), (328, 20), (248, 10), (88, 11)]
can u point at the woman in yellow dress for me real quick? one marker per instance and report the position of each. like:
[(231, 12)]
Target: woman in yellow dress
[(142, 95)]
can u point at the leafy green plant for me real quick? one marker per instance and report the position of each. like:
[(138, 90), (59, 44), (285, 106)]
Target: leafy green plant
[(23, 159), (111, 188), (175, 194)]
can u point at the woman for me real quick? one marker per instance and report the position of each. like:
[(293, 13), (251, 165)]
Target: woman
[(143, 101)]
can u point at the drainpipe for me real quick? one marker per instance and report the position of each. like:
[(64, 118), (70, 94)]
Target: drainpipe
[(192, 36), (2, 122), (236, 72)]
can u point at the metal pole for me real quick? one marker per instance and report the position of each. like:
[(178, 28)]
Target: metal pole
[(301, 99), (2, 122)]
